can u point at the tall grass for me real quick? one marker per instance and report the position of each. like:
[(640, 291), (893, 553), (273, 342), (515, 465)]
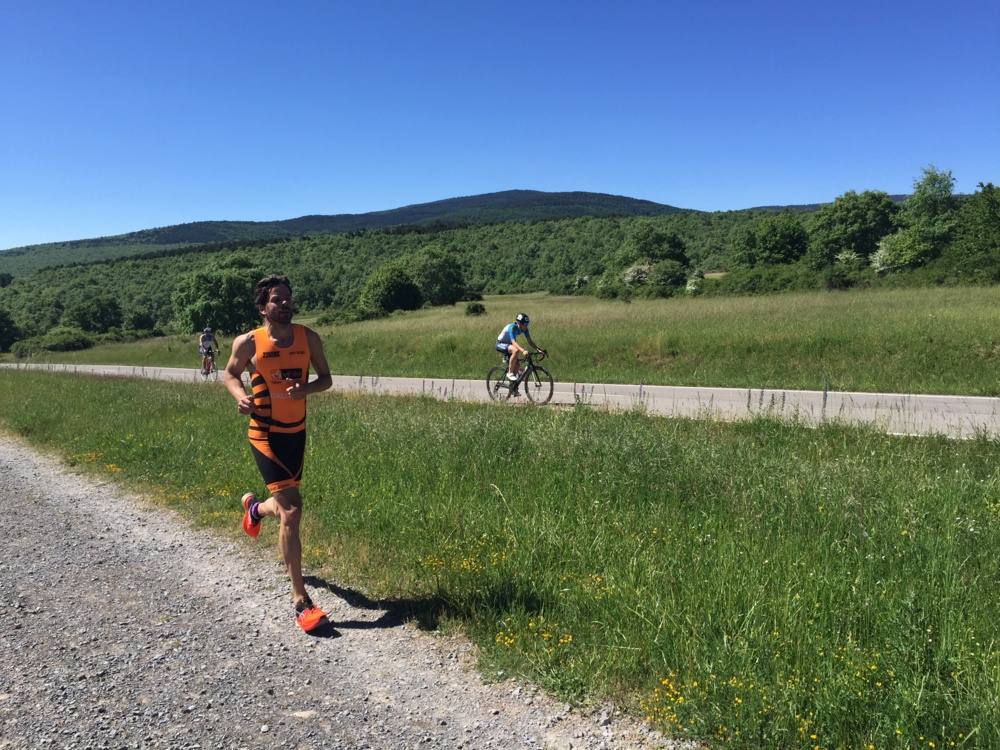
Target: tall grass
[(752, 585), (907, 340)]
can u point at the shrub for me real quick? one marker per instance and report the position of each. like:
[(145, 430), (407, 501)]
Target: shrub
[(773, 240), (439, 277), (389, 288), (95, 314), (853, 222), (667, 277), (475, 308), (25, 348), (695, 283), (767, 279), (222, 299), (65, 339), (610, 286), (8, 331), (903, 249), (637, 274)]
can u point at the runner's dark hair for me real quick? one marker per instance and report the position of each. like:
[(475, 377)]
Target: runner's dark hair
[(264, 286)]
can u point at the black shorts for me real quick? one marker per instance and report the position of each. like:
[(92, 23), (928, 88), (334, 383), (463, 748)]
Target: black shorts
[(279, 457)]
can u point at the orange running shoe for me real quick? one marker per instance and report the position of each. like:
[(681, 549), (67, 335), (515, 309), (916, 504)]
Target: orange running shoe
[(308, 616), (250, 526)]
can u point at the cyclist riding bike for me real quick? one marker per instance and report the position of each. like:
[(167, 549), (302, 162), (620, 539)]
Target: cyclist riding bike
[(207, 347), (508, 347)]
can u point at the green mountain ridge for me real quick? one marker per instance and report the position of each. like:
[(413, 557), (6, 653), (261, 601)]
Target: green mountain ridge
[(509, 205), (487, 208)]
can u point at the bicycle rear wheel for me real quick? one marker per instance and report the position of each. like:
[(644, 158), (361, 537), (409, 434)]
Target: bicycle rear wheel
[(538, 386), (497, 384)]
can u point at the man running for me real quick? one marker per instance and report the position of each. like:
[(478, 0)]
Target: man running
[(278, 355), (507, 344)]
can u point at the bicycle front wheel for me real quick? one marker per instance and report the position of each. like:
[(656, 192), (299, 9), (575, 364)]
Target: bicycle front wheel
[(538, 386), (497, 384)]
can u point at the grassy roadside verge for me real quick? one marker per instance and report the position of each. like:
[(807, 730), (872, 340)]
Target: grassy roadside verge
[(932, 340), (754, 585)]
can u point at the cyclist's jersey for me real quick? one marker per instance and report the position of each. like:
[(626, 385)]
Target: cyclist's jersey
[(207, 342), (273, 371), (509, 333)]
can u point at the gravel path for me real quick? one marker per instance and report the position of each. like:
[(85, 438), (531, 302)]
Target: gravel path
[(122, 627)]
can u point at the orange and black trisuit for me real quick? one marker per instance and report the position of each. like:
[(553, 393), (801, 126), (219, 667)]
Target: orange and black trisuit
[(278, 423)]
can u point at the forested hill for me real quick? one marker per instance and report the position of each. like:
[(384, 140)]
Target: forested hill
[(800, 208), (861, 239), (510, 205)]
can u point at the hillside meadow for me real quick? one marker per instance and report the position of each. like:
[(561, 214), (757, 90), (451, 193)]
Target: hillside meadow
[(749, 585), (921, 340)]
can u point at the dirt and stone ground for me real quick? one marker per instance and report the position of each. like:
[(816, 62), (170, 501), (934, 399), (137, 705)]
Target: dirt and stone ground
[(123, 627)]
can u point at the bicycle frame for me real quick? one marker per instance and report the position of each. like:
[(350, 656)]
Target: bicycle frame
[(528, 367)]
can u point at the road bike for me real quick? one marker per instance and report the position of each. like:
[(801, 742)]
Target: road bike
[(211, 373), (534, 380)]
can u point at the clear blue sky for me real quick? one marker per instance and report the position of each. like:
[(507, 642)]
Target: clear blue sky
[(119, 115)]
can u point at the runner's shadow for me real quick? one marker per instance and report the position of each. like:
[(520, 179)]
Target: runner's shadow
[(425, 612), (324, 630)]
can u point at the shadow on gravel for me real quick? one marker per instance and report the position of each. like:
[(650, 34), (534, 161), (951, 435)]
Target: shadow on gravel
[(507, 596), (425, 612), (324, 630)]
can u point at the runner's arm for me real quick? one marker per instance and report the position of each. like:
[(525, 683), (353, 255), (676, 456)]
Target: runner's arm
[(243, 350), (317, 358)]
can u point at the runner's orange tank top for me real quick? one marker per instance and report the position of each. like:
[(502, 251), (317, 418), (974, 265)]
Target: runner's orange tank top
[(275, 369)]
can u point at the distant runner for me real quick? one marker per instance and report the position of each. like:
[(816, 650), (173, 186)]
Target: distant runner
[(208, 345), (278, 355), (507, 344)]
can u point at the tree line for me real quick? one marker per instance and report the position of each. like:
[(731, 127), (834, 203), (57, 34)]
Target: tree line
[(861, 239)]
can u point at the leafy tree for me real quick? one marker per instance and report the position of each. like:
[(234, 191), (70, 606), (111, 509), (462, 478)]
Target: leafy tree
[(780, 238), (389, 288), (8, 331), (438, 276), (221, 299), (975, 253), (930, 214), (610, 286), (903, 249), (695, 283), (95, 314), (854, 222), (6, 279), (933, 198), (139, 315), (667, 277), (637, 274), (647, 241)]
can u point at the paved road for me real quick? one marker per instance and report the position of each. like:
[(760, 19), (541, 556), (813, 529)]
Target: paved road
[(954, 416)]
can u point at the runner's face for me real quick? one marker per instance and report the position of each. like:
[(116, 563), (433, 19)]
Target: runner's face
[(279, 307)]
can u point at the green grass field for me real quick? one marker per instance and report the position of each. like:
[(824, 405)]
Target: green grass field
[(752, 585), (931, 340)]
